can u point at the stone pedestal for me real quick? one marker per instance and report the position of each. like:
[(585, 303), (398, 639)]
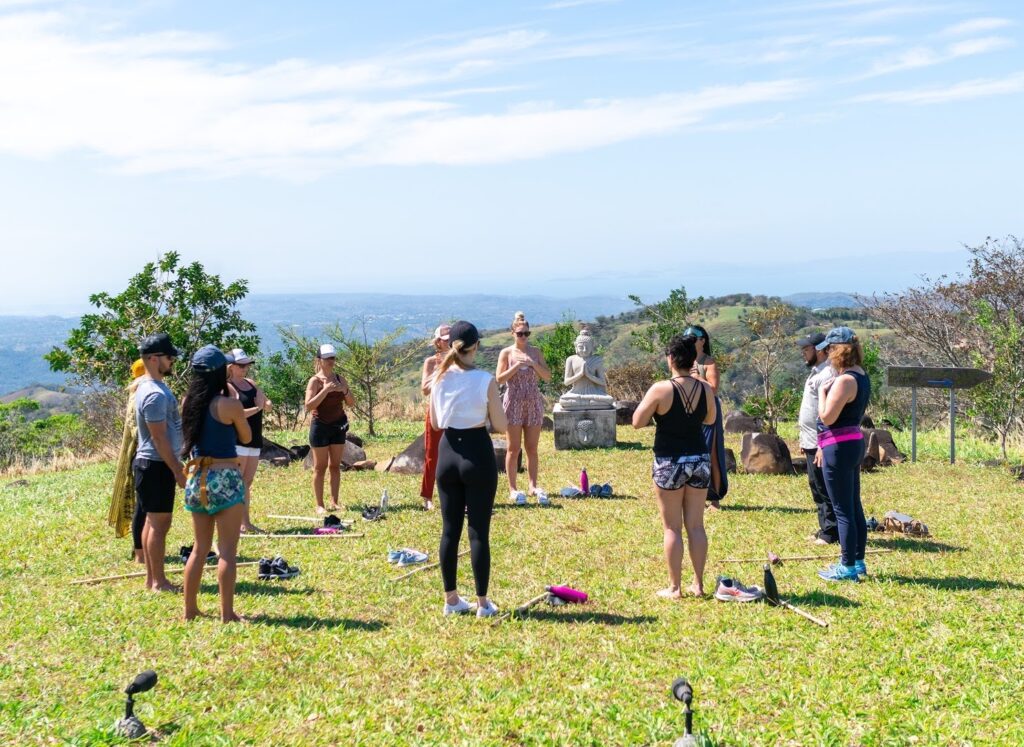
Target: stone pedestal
[(584, 429)]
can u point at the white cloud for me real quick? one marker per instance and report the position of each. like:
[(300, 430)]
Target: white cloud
[(159, 102), (564, 4), (921, 56), (979, 46), (970, 89), (976, 26)]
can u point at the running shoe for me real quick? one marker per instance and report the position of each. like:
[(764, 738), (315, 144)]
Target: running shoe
[(395, 555), (731, 590), (372, 513), (840, 572), (276, 568), (595, 491), (461, 607), (520, 498), (186, 550), (571, 492), (542, 498), (862, 569), (411, 557), (488, 610), (606, 490)]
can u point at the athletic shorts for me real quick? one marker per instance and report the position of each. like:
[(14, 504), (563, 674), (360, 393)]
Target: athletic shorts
[(154, 485), (248, 451), (224, 489), (673, 473), (327, 434)]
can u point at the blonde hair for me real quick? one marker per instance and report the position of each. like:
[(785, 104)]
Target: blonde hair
[(519, 320), (454, 355)]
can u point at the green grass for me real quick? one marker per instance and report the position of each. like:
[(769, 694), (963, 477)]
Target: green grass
[(928, 651)]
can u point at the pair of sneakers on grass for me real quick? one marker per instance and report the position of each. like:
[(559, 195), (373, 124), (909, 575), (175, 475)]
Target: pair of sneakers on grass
[(839, 572), (519, 498), (462, 607)]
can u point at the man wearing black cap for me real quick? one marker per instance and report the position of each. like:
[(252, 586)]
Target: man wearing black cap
[(820, 372), (157, 466)]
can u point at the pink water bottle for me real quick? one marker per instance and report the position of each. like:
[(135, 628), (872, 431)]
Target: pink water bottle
[(584, 481)]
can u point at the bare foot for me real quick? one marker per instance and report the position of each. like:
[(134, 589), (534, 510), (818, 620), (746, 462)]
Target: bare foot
[(166, 586), (670, 593), (713, 506), (428, 506), (696, 590), (234, 617), (334, 507), (140, 560), (320, 510), (189, 616)]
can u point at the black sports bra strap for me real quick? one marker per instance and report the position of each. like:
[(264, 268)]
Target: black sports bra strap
[(688, 401)]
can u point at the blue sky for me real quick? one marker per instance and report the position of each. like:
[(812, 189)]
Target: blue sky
[(556, 146)]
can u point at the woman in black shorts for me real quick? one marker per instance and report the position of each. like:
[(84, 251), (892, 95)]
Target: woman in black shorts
[(681, 407), (327, 393)]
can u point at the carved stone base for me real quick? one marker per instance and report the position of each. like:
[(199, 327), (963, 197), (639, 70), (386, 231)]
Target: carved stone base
[(584, 429)]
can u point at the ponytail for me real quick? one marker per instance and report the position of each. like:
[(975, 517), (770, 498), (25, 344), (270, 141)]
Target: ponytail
[(453, 356)]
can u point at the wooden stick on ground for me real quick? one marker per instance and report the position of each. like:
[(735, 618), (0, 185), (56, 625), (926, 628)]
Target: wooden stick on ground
[(305, 518), (807, 615), (521, 608), (141, 574), (797, 557), (423, 568), (337, 535)]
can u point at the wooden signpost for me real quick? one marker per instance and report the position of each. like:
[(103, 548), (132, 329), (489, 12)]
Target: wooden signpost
[(930, 377)]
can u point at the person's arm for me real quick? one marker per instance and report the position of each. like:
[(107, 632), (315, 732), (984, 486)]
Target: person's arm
[(834, 396), (249, 411), (540, 365), (346, 391), (495, 412), (504, 372), (427, 375), (158, 432), (648, 406), (709, 397), (262, 401), (711, 375), (231, 412), (314, 398), (434, 422)]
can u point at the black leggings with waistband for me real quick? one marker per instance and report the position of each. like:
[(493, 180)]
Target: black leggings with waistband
[(467, 480)]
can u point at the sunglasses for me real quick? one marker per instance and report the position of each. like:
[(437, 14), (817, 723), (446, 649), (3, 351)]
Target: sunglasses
[(692, 332), (523, 334)]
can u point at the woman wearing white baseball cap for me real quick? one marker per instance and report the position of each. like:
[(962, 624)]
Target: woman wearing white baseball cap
[(327, 393), (431, 435), (255, 403)]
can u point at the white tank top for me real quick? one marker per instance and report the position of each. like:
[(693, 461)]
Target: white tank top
[(459, 399)]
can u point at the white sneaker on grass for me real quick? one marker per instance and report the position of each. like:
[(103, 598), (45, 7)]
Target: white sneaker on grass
[(520, 498), (542, 497), (488, 610), (461, 607)]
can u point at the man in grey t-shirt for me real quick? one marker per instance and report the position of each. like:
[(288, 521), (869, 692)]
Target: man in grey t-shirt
[(157, 467), (820, 373)]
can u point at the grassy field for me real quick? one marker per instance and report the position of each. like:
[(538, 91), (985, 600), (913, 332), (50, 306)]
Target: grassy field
[(928, 651)]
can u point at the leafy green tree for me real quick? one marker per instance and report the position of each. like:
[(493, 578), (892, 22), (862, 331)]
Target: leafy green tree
[(25, 435), (770, 330), (283, 376), (191, 305), (998, 404), (556, 345), (667, 318)]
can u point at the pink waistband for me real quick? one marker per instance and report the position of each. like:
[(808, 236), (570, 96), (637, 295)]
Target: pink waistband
[(839, 435)]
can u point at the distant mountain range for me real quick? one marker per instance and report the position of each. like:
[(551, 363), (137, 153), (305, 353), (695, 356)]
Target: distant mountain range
[(25, 339)]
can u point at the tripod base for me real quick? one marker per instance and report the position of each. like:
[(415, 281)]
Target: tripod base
[(131, 728)]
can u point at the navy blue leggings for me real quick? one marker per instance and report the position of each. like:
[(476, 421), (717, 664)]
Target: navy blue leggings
[(841, 469)]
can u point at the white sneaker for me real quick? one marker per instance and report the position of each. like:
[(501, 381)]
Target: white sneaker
[(459, 608), (542, 498), (489, 610), (520, 498), (411, 557)]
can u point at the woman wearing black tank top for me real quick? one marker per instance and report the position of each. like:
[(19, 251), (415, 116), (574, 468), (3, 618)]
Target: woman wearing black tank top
[(255, 402), (681, 407)]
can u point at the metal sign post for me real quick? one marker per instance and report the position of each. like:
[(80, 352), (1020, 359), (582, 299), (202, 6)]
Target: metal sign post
[(935, 378)]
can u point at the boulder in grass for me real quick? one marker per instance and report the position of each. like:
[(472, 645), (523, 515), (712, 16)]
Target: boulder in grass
[(730, 461), (299, 451), (366, 464), (547, 424), (739, 422), (350, 454), (624, 412), (412, 460), (765, 454), (888, 452), (275, 454)]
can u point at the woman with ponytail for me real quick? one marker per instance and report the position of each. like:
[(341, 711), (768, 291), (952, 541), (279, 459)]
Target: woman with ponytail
[(462, 399), (213, 422), (520, 365)]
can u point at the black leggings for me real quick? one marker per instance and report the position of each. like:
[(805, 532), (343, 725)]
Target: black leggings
[(138, 521), (467, 479), (841, 469)]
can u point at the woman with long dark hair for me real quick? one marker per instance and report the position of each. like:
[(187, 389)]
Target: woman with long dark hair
[(213, 422), (705, 369), (462, 399), (681, 407)]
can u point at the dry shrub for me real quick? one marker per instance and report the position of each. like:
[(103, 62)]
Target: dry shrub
[(631, 381)]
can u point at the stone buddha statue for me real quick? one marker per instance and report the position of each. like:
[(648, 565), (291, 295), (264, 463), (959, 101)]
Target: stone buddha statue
[(585, 375)]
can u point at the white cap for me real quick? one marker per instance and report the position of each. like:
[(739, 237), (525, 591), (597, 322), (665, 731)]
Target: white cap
[(442, 332), (327, 351), (240, 356)]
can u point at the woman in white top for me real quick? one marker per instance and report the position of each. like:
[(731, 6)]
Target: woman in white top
[(461, 401)]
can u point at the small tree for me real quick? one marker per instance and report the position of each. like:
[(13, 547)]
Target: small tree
[(192, 306), (668, 318), (556, 345), (998, 404), (283, 376), (771, 331)]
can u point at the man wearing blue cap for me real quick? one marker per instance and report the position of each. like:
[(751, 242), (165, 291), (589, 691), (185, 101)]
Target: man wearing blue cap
[(157, 468), (820, 372)]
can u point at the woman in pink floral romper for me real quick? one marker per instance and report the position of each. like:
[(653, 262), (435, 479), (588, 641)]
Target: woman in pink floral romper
[(520, 366)]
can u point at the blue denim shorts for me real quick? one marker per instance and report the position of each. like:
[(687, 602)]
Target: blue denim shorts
[(673, 473)]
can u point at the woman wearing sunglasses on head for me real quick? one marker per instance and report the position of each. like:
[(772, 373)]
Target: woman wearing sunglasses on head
[(520, 365), (254, 401), (705, 369)]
